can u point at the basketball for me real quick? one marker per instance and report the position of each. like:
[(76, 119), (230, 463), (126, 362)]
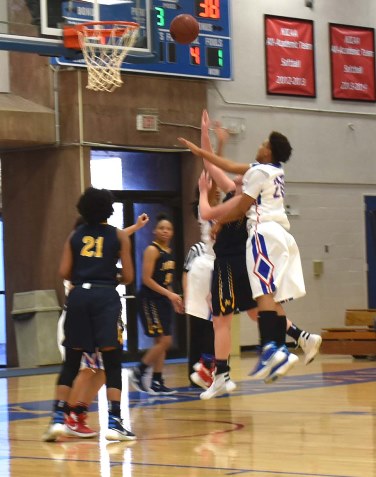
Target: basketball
[(184, 29)]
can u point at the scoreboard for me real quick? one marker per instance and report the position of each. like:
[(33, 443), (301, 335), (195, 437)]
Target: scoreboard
[(209, 56)]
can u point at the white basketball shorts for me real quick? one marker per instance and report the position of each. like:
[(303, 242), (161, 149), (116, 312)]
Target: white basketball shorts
[(273, 263), (198, 287)]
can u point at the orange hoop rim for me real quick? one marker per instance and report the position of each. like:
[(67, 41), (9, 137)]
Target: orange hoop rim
[(124, 25), (74, 34)]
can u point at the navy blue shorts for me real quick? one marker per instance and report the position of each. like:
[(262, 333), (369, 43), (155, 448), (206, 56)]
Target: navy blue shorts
[(155, 314), (230, 288), (92, 318)]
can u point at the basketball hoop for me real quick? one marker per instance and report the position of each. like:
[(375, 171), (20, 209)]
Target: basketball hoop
[(104, 45)]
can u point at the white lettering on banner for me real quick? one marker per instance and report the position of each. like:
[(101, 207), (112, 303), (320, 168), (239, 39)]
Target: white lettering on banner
[(340, 50), (290, 62), (305, 46), (352, 40), (289, 32), (291, 80), (345, 51), (353, 69), (287, 43), (368, 53), (347, 85)]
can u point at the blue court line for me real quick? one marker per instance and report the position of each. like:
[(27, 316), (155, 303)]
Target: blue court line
[(53, 369), (37, 409), (15, 372), (227, 470)]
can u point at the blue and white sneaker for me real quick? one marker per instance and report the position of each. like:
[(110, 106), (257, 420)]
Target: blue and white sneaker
[(270, 357), (116, 431), (56, 428), (282, 368)]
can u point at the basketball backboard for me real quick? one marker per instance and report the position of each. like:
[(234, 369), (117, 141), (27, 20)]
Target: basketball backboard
[(56, 13)]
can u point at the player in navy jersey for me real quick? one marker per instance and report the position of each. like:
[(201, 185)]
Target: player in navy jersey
[(156, 302), (89, 260), (91, 376), (273, 259)]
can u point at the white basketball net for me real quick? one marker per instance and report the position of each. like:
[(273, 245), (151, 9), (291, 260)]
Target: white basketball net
[(104, 50)]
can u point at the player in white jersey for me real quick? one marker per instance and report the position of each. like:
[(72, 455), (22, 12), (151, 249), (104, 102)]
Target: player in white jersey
[(196, 287), (273, 259), (269, 244), (201, 334), (199, 277)]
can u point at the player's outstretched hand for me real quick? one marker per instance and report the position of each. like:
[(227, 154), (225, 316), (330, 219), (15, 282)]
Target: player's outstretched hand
[(190, 145), (205, 182), (205, 121), (221, 132)]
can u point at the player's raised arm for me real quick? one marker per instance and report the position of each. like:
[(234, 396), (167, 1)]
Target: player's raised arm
[(142, 220), (126, 257), (217, 174), (222, 162), (207, 211)]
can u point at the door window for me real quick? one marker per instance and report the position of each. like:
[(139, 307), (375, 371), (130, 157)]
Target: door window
[(150, 183)]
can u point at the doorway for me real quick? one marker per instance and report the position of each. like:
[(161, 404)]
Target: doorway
[(150, 183), (370, 208), (135, 342), (3, 358)]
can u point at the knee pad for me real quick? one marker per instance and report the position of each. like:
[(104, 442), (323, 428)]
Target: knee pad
[(112, 367), (71, 366)]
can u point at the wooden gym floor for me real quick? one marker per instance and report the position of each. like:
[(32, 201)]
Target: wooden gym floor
[(320, 421)]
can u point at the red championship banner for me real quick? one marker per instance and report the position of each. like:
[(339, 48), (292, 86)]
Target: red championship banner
[(352, 59), (290, 59)]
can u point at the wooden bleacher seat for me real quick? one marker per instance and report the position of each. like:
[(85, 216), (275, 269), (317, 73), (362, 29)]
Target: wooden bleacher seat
[(357, 338), (360, 318)]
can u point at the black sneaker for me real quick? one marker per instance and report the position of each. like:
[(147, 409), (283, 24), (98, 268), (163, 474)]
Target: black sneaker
[(116, 431), (138, 380), (158, 388)]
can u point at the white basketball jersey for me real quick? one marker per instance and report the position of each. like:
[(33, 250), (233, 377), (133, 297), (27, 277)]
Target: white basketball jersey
[(266, 184), (205, 227)]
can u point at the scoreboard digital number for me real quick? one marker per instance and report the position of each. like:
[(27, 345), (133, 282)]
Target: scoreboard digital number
[(209, 56), (208, 9)]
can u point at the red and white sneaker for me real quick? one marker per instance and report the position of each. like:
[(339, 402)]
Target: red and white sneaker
[(202, 376), (75, 425)]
